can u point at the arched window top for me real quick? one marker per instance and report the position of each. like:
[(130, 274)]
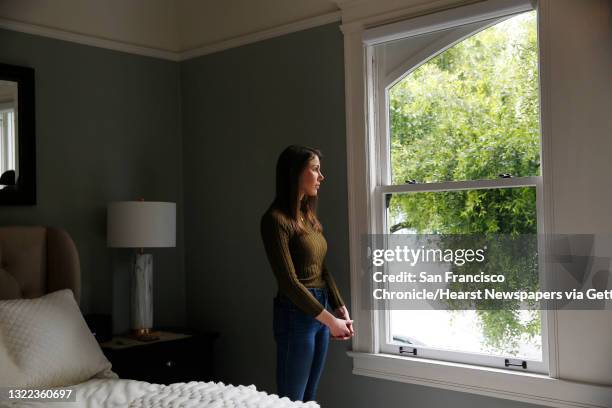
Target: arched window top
[(464, 105)]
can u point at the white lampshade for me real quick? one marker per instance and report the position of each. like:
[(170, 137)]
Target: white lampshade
[(141, 224)]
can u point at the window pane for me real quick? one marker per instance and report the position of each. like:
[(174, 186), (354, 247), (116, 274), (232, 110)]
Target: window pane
[(509, 211), (495, 211), (472, 112), (464, 331)]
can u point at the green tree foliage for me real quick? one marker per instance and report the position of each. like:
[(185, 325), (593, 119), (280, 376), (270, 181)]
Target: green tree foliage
[(469, 113)]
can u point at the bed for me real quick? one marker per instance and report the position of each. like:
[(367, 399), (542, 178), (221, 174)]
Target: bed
[(45, 343)]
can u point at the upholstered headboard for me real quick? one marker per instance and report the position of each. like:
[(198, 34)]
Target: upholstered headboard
[(37, 260)]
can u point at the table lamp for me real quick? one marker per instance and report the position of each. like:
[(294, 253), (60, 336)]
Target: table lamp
[(141, 224)]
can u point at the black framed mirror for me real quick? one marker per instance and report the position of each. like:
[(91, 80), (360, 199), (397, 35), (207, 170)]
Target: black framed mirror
[(17, 136)]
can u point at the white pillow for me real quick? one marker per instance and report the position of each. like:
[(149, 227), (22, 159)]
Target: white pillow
[(45, 342), (10, 374)]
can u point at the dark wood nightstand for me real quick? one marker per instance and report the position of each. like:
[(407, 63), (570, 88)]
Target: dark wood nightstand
[(175, 357)]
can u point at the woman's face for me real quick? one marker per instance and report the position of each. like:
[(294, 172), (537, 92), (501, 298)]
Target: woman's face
[(311, 177)]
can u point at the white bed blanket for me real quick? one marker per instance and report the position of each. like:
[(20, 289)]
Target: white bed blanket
[(114, 393)]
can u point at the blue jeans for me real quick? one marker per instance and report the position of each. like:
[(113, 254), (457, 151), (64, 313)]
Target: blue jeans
[(301, 348)]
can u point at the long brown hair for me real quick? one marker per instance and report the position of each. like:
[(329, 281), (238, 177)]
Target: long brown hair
[(290, 165)]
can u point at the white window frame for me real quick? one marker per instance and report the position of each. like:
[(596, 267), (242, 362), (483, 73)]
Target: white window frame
[(380, 115), (541, 389)]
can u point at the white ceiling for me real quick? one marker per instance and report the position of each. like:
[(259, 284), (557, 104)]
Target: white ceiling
[(167, 25)]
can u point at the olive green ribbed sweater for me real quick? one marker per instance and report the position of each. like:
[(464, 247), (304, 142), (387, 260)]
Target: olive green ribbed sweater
[(298, 261)]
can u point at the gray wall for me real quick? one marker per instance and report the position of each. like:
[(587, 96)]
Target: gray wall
[(241, 107), (107, 128)]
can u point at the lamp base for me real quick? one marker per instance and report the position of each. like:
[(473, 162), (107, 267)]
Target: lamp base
[(144, 335), (142, 292)]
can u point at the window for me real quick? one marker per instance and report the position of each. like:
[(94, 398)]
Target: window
[(459, 153), (380, 55), (8, 154)]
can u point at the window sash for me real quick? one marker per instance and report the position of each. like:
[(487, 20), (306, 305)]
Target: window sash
[(387, 346), (383, 316), (530, 181)]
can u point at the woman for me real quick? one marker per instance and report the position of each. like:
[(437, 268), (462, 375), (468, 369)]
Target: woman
[(296, 250)]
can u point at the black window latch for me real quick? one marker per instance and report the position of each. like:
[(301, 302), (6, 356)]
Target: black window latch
[(408, 350), (515, 363)]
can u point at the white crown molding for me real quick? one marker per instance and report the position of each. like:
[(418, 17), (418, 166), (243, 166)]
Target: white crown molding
[(262, 35), (87, 40), (166, 54)]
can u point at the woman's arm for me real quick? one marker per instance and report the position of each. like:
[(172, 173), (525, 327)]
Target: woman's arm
[(334, 294), (340, 329), (336, 300), (343, 313)]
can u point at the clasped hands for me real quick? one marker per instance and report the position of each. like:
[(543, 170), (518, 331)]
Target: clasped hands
[(342, 313)]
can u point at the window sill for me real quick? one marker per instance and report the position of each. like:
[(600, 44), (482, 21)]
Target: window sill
[(518, 386)]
